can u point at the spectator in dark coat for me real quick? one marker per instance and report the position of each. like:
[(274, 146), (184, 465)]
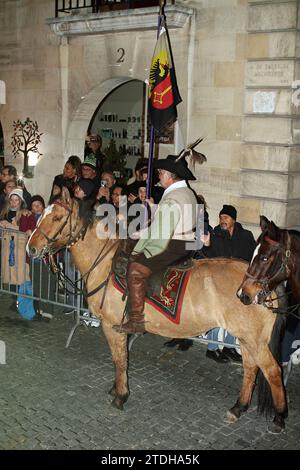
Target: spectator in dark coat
[(71, 174), (84, 189), (37, 206), (228, 240)]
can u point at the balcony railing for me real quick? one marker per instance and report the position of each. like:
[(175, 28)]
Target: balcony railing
[(96, 6), (90, 17)]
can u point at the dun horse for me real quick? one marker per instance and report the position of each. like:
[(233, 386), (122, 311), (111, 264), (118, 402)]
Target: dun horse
[(210, 300)]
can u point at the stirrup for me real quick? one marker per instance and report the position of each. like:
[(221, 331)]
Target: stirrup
[(131, 327)]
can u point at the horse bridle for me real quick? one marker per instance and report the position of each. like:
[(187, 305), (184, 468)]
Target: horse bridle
[(72, 239), (282, 273)]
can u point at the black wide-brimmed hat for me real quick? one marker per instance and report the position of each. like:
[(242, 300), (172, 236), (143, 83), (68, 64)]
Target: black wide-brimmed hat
[(180, 167), (177, 163)]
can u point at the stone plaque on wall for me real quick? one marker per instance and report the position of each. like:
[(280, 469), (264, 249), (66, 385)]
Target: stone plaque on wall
[(264, 102), (270, 73)]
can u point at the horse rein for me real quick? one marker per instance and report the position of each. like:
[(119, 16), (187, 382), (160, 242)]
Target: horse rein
[(283, 269), (59, 231), (71, 241)]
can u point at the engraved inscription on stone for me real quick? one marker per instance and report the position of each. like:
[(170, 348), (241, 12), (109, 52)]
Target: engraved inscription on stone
[(264, 102), (275, 73)]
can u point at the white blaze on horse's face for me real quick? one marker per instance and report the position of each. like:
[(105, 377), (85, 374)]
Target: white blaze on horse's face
[(46, 212), (254, 254), (239, 292), (255, 300)]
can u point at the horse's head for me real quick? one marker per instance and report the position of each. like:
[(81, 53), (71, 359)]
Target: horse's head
[(58, 227), (269, 265)]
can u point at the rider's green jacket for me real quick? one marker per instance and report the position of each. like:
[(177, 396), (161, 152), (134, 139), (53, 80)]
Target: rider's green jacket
[(174, 219)]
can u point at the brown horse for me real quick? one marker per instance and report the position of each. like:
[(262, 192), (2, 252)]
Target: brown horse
[(276, 260), (210, 301)]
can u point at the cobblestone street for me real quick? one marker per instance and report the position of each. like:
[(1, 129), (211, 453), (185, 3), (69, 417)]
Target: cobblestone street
[(57, 398)]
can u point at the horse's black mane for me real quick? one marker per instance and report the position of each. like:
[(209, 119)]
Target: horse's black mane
[(295, 233), (86, 212)]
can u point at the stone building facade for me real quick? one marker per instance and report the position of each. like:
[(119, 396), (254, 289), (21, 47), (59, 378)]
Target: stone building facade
[(237, 64)]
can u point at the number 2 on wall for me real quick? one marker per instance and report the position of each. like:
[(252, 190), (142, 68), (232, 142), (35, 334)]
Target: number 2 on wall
[(121, 59)]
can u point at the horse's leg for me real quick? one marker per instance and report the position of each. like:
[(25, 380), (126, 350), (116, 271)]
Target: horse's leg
[(243, 402), (272, 373), (118, 347)]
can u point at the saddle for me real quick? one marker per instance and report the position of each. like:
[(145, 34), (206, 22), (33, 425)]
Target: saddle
[(158, 280), (165, 289)]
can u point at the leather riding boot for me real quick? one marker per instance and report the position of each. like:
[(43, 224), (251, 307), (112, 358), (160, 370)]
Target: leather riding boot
[(137, 276)]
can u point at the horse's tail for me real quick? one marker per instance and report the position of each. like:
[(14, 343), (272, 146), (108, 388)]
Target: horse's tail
[(265, 404)]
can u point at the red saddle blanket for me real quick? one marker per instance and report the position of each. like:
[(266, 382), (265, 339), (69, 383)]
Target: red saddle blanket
[(169, 301)]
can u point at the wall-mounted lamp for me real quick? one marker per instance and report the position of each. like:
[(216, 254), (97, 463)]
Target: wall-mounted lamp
[(32, 161)]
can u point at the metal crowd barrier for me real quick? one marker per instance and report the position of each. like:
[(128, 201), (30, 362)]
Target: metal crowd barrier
[(49, 293)]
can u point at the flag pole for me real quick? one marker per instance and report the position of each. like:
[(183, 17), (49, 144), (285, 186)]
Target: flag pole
[(152, 130)]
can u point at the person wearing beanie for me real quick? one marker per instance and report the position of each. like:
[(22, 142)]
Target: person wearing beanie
[(84, 189), (89, 161), (229, 210), (89, 170), (228, 240), (15, 215), (17, 192)]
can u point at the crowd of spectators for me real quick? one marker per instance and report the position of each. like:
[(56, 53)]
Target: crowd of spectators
[(87, 180)]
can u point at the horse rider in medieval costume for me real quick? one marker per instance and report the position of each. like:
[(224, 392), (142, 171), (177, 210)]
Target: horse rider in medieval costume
[(165, 242)]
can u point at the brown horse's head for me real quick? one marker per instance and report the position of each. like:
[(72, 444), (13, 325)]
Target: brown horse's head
[(269, 265), (57, 227)]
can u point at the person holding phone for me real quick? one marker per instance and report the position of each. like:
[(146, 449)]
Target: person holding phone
[(107, 184), (9, 172)]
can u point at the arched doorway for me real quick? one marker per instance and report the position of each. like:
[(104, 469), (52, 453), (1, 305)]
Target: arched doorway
[(120, 121), (85, 117), (87, 110)]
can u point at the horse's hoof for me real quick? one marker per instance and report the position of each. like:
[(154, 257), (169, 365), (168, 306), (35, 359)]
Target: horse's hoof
[(117, 403), (276, 428), (277, 425), (230, 418)]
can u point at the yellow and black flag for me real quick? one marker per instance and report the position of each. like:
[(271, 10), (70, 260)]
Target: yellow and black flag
[(163, 90)]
